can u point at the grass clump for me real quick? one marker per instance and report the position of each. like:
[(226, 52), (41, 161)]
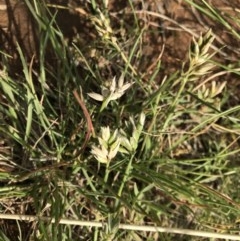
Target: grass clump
[(90, 135)]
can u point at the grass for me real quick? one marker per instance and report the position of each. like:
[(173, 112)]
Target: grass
[(99, 138)]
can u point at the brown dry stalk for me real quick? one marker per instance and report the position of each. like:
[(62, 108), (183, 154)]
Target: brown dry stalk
[(90, 128)]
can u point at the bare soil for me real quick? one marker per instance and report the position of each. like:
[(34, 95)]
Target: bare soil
[(169, 26)]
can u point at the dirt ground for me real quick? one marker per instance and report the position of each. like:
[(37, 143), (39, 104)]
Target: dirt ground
[(169, 24)]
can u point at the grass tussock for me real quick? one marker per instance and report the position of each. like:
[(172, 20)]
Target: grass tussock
[(107, 129)]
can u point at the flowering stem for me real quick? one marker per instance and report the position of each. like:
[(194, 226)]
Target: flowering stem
[(106, 173), (126, 175)]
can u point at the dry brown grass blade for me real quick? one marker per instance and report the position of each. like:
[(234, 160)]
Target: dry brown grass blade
[(90, 128)]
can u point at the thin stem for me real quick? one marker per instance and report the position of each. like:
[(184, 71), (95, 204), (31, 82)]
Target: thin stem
[(126, 175), (145, 228), (106, 173)]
